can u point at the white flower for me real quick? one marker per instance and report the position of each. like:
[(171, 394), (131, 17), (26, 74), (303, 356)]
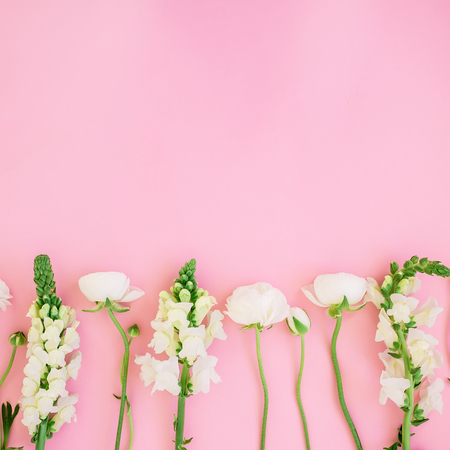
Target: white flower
[(421, 348), (163, 373), (430, 396), (34, 310), (162, 310), (395, 368), (409, 285), (66, 411), (44, 400), (393, 388), (164, 338), (74, 365), (298, 321), (51, 336), (56, 358), (426, 315), (373, 293), (203, 373), (202, 307), (177, 313), (330, 289), (193, 345), (385, 332), (57, 383), (4, 295), (71, 339), (259, 304), (115, 286), (30, 387), (30, 413), (402, 308), (67, 315), (214, 328)]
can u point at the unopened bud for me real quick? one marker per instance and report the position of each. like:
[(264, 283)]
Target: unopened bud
[(134, 331), (17, 339)]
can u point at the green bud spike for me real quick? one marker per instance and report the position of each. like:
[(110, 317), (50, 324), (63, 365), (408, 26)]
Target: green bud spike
[(17, 339), (134, 331), (54, 312), (45, 287)]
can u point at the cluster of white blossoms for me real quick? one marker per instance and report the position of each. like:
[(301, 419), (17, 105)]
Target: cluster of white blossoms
[(406, 314), (49, 368), (180, 333), (4, 296)]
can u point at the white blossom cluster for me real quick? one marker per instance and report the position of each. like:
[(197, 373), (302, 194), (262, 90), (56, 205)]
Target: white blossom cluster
[(49, 368), (180, 333), (420, 346)]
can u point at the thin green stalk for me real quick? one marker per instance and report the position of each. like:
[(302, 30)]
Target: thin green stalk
[(339, 384), (40, 444), (299, 400), (266, 392), (124, 373), (11, 360), (130, 419), (406, 427), (181, 406)]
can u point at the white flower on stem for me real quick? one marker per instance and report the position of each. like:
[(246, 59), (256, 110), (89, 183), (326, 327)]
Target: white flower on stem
[(57, 383), (203, 373), (426, 315), (385, 332), (31, 417), (36, 366), (44, 401), (202, 307), (421, 348), (193, 345), (74, 366), (51, 335), (373, 293), (67, 315), (402, 308), (71, 339), (115, 286), (4, 295), (34, 335), (330, 289), (162, 310), (177, 313), (66, 411), (409, 285), (214, 328), (34, 310), (430, 396), (56, 358), (30, 386), (259, 303), (393, 388), (163, 373), (164, 338), (395, 368), (298, 321)]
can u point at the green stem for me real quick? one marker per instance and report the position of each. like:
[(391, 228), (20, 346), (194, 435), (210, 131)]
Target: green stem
[(406, 426), (42, 432), (124, 373), (264, 384), (181, 406), (130, 419), (11, 360), (299, 399), (339, 384)]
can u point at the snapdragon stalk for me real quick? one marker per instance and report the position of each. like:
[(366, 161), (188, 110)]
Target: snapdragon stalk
[(264, 385), (179, 423)]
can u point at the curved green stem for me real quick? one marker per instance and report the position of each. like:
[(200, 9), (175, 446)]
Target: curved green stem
[(266, 392), (124, 373), (179, 432), (339, 384), (406, 426), (11, 360), (40, 444), (299, 399)]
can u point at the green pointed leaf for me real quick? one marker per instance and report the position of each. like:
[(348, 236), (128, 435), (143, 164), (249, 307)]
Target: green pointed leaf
[(99, 308)]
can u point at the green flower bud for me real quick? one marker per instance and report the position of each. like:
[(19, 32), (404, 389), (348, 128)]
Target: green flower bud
[(185, 295), (54, 312), (387, 283), (45, 311), (17, 339), (134, 331)]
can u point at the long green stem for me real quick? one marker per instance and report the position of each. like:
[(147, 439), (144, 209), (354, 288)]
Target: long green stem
[(339, 384), (40, 444), (11, 360), (181, 406), (124, 373), (406, 426), (266, 392), (299, 399)]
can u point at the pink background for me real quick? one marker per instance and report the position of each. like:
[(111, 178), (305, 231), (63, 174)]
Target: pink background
[(272, 141)]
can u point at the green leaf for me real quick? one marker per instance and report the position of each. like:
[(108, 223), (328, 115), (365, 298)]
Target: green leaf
[(416, 423), (395, 355), (99, 308)]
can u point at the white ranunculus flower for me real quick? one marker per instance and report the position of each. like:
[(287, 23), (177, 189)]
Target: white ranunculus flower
[(426, 315), (402, 308), (430, 396), (393, 388), (330, 289), (115, 286), (214, 328), (298, 321), (66, 411), (373, 293), (163, 373), (385, 332), (193, 345), (4, 295), (203, 373), (259, 304)]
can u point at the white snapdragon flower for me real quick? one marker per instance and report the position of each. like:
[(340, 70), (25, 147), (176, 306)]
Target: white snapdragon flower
[(31, 417), (393, 388), (57, 383), (66, 411), (402, 308), (202, 307), (4, 295), (51, 335), (259, 303), (164, 338), (163, 373), (395, 368), (430, 396), (421, 348), (162, 310), (33, 312), (373, 293), (74, 366), (71, 339), (30, 386), (409, 285), (385, 332), (426, 315), (203, 373), (67, 315), (44, 400), (177, 313), (193, 345), (214, 328)]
